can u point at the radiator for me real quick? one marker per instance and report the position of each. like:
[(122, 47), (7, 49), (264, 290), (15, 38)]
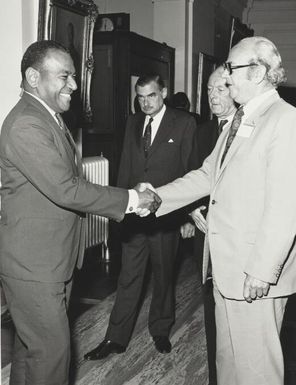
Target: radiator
[(96, 170)]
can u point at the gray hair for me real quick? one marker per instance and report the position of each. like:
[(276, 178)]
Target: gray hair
[(266, 53)]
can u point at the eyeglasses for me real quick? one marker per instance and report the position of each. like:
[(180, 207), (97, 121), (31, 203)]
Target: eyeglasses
[(229, 68)]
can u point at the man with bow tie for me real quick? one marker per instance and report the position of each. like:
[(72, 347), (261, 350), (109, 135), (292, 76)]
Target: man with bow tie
[(159, 146), (252, 217)]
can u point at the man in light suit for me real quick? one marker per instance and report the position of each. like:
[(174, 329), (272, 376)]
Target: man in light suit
[(223, 109), (251, 218), (42, 224), (171, 153)]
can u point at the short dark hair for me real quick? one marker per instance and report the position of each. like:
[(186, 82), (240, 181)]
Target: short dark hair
[(36, 52), (180, 100), (148, 78)]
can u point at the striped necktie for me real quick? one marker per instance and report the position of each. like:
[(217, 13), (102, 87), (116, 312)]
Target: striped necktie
[(147, 136), (232, 131)]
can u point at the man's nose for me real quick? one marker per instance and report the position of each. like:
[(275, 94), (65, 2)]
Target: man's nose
[(72, 83)]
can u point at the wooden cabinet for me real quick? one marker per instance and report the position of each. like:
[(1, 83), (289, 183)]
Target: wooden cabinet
[(120, 57)]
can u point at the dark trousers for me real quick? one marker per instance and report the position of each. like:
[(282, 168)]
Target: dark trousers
[(161, 248), (288, 339), (41, 354), (210, 326), (209, 310)]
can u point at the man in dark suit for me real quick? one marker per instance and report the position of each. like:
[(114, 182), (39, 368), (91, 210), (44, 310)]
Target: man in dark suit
[(159, 146), (42, 225), (223, 109)]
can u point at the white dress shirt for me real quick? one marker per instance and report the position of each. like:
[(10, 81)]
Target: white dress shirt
[(156, 122)]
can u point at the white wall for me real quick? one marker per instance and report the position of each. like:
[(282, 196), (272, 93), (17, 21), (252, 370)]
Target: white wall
[(169, 27), (141, 13), (18, 28)]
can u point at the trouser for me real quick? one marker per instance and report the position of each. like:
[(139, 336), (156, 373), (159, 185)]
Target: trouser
[(248, 343), (161, 249), (210, 328), (41, 354), (288, 338)]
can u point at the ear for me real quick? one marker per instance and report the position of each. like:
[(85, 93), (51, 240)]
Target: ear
[(259, 73), (164, 92), (32, 76)]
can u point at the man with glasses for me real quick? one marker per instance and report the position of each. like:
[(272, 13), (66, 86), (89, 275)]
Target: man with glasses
[(159, 146), (252, 217)]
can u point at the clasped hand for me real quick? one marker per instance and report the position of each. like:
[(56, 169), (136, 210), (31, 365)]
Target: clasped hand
[(149, 201), (188, 229)]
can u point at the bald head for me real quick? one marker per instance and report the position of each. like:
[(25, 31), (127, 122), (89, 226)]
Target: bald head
[(254, 67), (264, 52)]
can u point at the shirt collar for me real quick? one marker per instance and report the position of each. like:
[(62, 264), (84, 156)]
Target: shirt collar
[(253, 104), (50, 110), (229, 119)]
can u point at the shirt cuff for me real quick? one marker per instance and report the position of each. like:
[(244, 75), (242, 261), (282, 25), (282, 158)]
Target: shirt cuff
[(133, 201)]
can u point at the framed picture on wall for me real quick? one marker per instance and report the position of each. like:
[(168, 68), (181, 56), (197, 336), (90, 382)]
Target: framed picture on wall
[(71, 23), (206, 65), (238, 31)]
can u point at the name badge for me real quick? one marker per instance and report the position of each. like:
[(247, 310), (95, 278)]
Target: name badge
[(245, 130)]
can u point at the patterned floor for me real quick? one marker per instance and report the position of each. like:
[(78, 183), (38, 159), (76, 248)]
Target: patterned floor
[(141, 364)]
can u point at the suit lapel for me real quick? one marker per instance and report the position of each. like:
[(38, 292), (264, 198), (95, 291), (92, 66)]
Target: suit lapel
[(63, 144), (139, 126), (215, 135), (66, 146), (245, 131)]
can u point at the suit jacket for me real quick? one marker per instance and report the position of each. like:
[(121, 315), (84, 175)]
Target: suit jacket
[(173, 153), (43, 196), (207, 136), (252, 215)]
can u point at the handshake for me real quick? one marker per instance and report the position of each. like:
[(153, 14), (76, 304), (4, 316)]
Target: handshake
[(149, 201)]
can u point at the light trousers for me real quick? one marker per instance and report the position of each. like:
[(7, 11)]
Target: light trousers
[(248, 341)]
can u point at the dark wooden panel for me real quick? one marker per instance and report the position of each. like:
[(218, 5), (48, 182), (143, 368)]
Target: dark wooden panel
[(102, 88)]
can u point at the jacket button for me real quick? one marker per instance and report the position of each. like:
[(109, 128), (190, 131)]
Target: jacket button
[(74, 180), (213, 201), (146, 169)]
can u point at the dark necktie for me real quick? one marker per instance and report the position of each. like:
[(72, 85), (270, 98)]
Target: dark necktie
[(147, 136), (221, 125), (233, 130), (66, 132)]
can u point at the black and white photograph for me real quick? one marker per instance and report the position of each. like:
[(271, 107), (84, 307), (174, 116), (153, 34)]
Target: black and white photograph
[(147, 209)]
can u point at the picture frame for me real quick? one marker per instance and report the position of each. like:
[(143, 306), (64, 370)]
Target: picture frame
[(206, 65), (71, 23), (238, 31)]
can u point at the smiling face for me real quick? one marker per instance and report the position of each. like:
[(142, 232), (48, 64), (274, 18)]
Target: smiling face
[(220, 101), (151, 98), (56, 80)]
